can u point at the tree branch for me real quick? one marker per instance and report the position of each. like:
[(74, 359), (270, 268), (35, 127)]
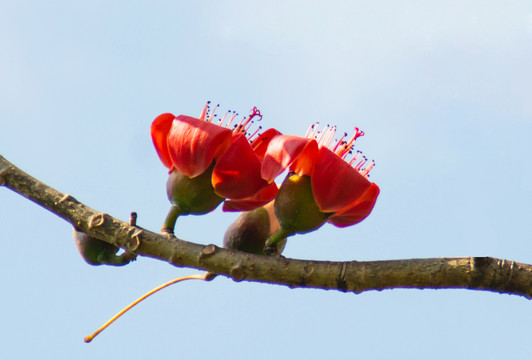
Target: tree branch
[(475, 273)]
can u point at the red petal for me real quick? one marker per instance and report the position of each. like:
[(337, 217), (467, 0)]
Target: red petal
[(261, 198), (260, 144), (159, 134), (304, 162), (193, 144), (335, 184), (359, 211), (283, 150), (236, 174)]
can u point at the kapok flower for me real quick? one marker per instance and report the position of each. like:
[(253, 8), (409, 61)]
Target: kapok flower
[(323, 185), (210, 162)]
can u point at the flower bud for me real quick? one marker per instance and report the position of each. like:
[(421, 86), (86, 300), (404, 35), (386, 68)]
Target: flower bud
[(251, 229), (99, 252)]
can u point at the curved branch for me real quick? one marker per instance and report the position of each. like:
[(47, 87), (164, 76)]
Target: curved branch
[(476, 273)]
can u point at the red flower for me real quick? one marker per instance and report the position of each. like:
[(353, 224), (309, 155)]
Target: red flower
[(195, 149), (320, 177)]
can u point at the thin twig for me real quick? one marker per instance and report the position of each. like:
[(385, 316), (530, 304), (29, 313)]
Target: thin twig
[(476, 273)]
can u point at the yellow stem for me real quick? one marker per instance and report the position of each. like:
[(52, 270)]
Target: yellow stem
[(205, 276)]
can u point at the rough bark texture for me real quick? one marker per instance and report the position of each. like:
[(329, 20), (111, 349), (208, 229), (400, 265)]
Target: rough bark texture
[(476, 273)]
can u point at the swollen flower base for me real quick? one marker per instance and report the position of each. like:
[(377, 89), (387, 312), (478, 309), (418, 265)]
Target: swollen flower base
[(211, 161), (322, 184)]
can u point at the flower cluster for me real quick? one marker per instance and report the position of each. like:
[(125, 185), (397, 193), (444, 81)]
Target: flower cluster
[(211, 161)]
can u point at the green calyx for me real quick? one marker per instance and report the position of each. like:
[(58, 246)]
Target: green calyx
[(295, 206), (192, 195), (296, 210), (249, 233)]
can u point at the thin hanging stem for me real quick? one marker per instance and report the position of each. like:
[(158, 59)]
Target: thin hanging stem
[(207, 276)]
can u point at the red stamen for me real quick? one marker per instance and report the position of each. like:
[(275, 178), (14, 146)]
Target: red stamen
[(355, 157), (361, 163), (314, 131), (221, 121), (255, 133), (240, 127), (310, 128), (349, 145), (231, 119), (204, 111), (322, 134), (339, 142), (212, 114), (248, 126), (329, 137), (365, 172)]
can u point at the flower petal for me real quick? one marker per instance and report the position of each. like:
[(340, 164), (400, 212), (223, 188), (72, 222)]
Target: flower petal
[(260, 144), (193, 144), (335, 184), (236, 174), (264, 196), (159, 134), (359, 211), (305, 161), (283, 150)]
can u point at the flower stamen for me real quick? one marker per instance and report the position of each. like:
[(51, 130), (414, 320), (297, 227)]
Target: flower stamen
[(339, 142), (221, 121), (310, 128), (235, 114), (204, 111), (355, 157), (255, 133), (313, 132), (361, 163), (212, 113), (365, 172), (244, 125), (329, 137), (322, 134), (348, 146)]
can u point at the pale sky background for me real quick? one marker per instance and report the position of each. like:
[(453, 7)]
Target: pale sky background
[(442, 89)]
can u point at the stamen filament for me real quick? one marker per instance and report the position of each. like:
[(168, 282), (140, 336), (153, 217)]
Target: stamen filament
[(212, 114), (329, 137), (323, 133), (365, 172), (255, 133), (204, 111), (310, 128), (339, 142), (361, 163), (355, 157), (231, 119), (221, 121), (314, 133)]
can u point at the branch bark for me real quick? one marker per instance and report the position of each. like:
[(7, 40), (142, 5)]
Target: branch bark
[(475, 273)]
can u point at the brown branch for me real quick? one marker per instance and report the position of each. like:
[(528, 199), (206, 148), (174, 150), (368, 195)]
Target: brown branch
[(476, 273)]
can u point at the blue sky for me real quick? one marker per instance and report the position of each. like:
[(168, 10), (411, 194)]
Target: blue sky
[(442, 90)]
